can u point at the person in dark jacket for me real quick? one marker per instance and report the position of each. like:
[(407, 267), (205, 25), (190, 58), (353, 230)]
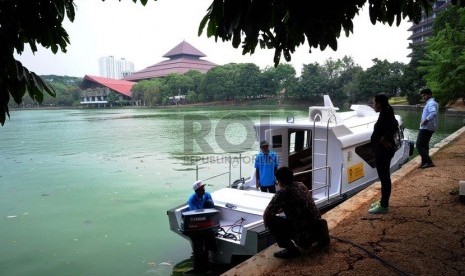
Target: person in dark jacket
[(383, 143), (302, 222)]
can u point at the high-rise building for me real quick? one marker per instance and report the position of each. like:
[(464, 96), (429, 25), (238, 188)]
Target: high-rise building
[(106, 66), (109, 68), (424, 29), (124, 68)]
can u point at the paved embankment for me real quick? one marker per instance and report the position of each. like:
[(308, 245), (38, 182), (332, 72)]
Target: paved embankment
[(423, 234)]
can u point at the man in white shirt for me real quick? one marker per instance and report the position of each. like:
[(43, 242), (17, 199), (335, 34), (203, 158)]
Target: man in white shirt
[(428, 125)]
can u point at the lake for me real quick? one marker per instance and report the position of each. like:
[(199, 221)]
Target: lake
[(85, 191)]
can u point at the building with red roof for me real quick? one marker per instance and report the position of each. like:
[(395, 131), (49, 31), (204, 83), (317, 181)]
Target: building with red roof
[(100, 91), (182, 58)]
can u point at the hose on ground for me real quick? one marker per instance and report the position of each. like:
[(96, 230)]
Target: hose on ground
[(372, 255)]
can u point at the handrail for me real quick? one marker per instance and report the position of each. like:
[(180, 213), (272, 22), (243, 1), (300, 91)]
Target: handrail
[(328, 177), (313, 140), (311, 170), (340, 179), (229, 160), (211, 177)]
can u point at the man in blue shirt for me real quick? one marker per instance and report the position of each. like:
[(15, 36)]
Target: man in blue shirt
[(202, 241), (266, 164), (200, 199), (428, 125)]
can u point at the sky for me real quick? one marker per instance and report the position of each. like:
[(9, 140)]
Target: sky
[(143, 34)]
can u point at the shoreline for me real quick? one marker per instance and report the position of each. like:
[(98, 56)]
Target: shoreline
[(451, 110)]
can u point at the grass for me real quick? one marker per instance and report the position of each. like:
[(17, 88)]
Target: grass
[(398, 100)]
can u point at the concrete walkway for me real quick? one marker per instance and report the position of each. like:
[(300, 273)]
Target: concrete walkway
[(423, 234)]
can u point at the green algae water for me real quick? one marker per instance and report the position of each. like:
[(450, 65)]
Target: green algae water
[(85, 192)]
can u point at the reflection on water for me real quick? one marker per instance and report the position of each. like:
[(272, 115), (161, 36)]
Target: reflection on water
[(85, 192)]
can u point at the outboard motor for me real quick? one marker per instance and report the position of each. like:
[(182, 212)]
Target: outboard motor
[(201, 226), (200, 220)]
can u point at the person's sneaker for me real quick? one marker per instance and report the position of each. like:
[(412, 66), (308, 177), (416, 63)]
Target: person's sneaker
[(427, 165), (287, 253), (374, 204), (378, 209)]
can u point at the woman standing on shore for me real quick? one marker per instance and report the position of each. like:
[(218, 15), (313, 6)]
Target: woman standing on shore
[(383, 143)]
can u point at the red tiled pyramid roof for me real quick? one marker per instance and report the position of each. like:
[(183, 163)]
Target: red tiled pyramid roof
[(183, 58), (120, 86), (166, 67), (184, 48)]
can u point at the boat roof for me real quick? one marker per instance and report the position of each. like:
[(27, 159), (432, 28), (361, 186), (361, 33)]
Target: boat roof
[(353, 121)]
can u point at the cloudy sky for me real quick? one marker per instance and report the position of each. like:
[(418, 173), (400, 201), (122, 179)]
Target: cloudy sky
[(144, 34)]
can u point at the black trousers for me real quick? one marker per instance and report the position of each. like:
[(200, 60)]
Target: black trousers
[(281, 231), (284, 233), (424, 136), (269, 189), (383, 162), (201, 243)]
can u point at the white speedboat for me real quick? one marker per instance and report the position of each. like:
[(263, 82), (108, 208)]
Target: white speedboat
[(330, 152)]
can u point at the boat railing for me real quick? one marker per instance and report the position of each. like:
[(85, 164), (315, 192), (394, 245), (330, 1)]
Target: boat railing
[(325, 140), (326, 186), (230, 160)]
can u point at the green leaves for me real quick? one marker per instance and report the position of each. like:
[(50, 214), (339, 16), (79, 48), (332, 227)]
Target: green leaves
[(284, 25), (444, 62), (15, 80), (37, 22), (33, 22)]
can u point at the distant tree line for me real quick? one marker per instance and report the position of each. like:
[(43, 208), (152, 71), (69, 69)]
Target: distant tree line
[(66, 88), (342, 79)]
